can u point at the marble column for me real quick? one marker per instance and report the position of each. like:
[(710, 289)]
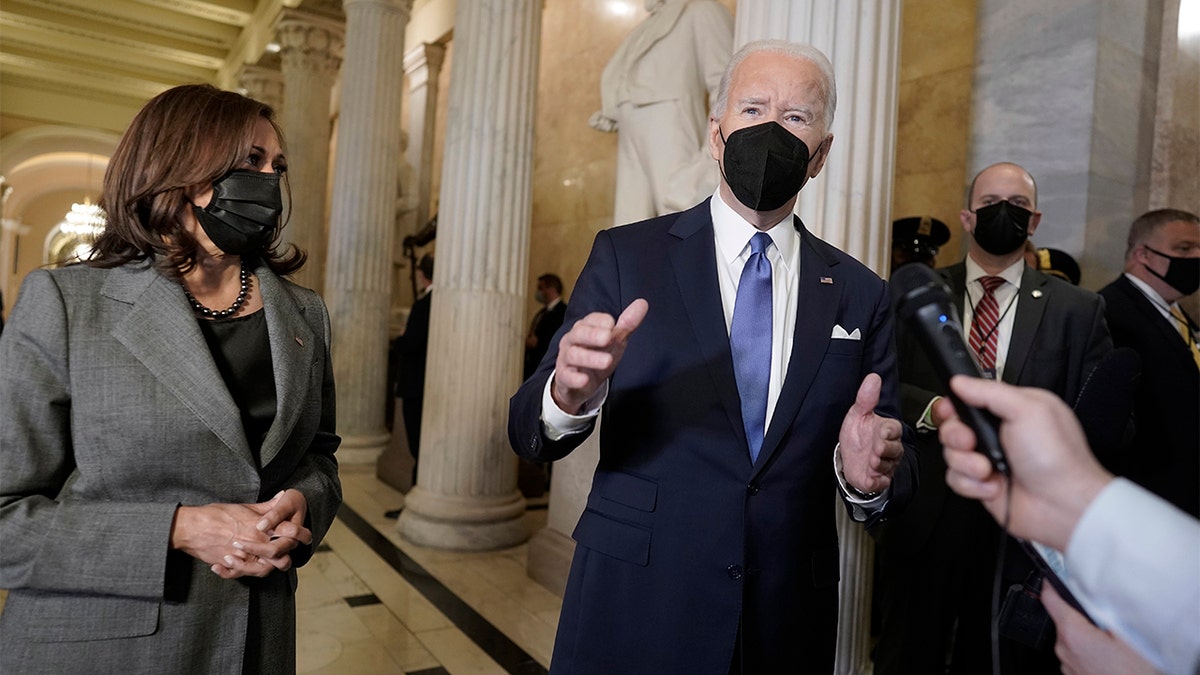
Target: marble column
[(1083, 126), (466, 495), (1175, 180), (311, 52), (263, 83), (422, 65), (849, 204), (358, 270)]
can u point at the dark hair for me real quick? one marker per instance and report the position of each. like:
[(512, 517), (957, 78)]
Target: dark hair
[(425, 264), (1148, 222), (552, 281), (186, 136)]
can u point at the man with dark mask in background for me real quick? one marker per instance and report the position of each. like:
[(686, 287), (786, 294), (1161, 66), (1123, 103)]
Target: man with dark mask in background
[(1162, 266), (938, 558)]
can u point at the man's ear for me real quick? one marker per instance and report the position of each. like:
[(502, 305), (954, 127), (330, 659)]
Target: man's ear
[(1034, 220), (818, 160), (716, 146), (964, 218)]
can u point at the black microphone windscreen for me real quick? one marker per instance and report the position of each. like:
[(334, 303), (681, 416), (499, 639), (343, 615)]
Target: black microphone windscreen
[(915, 286)]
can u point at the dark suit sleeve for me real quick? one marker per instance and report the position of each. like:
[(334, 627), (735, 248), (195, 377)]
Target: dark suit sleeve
[(1096, 345), (597, 290), (881, 350)]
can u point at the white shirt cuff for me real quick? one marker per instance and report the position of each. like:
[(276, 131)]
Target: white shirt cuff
[(558, 423), (926, 421), (860, 508)]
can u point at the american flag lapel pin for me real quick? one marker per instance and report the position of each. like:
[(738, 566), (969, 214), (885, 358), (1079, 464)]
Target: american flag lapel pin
[(827, 280)]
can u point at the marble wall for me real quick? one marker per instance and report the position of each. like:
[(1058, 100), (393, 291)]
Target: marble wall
[(574, 165), (937, 62), (1067, 89)]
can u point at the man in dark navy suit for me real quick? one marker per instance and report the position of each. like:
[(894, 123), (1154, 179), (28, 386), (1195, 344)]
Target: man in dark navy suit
[(747, 380), (1162, 266)]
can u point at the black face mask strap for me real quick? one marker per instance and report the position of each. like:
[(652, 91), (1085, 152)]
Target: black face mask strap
[(1157, 252), (721, 163)]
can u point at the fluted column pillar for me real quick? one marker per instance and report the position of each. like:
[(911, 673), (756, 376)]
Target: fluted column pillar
[(422, 65), (311, 52), (358, 270), (263, 84), (466, 495), (849, 204)]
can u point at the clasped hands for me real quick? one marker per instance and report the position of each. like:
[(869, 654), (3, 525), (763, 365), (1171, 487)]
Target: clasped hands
[(239, 540), (590, 351)]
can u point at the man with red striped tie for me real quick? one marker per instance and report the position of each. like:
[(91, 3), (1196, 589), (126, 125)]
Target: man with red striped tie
[(938, 558)]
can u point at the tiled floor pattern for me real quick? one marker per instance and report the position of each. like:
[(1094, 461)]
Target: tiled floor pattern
[(369, 602)]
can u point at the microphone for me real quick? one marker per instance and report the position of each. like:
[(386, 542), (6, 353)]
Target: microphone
[(923, 303)]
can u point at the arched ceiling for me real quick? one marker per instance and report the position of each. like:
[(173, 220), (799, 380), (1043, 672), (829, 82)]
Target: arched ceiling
[(94, 63)]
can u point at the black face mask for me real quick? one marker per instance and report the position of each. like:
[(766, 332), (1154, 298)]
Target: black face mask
[(1183, 274), (765, 165), (243, 212), (1001, 228)]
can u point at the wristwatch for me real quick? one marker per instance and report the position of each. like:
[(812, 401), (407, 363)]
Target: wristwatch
[(859, 493)]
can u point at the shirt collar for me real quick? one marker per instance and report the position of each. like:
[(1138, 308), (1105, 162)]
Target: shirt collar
[(1149, 292), (733, 233), (1011, 274)]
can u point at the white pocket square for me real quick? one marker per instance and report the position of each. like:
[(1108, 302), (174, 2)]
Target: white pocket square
[(840, 333)]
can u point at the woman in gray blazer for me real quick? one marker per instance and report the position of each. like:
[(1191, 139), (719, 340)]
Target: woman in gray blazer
[(167, 418)]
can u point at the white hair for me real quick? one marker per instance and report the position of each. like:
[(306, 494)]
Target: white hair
[(796, 50)]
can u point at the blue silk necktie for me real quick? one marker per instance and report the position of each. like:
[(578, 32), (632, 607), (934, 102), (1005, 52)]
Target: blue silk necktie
[(750, 340)]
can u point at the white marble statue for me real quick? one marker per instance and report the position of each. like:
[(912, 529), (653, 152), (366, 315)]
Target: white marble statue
[(656, 92)]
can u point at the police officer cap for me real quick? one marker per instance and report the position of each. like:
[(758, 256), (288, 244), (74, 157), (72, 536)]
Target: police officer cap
[(1058, 263), (920, 235)]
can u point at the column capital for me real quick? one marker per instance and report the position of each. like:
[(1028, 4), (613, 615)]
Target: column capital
[(427, 55), (404, 6), (310, 41), (262, 83)]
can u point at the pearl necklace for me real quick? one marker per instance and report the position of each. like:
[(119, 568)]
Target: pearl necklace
[(237, 302)]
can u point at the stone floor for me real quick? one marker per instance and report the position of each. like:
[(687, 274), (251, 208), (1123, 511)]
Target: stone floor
[(369, 602)]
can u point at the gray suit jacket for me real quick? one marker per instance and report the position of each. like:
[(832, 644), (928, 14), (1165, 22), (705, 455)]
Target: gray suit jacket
[(113, 414)]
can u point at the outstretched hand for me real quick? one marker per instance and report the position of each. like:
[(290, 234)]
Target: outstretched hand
[(589, 352), (870, 444)]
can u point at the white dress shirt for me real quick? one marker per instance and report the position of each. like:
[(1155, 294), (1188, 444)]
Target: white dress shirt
[(733, 236), (1007, 297)]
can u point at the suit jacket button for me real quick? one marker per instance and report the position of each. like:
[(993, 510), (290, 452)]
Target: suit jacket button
[(752, 489), (734, 572)]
